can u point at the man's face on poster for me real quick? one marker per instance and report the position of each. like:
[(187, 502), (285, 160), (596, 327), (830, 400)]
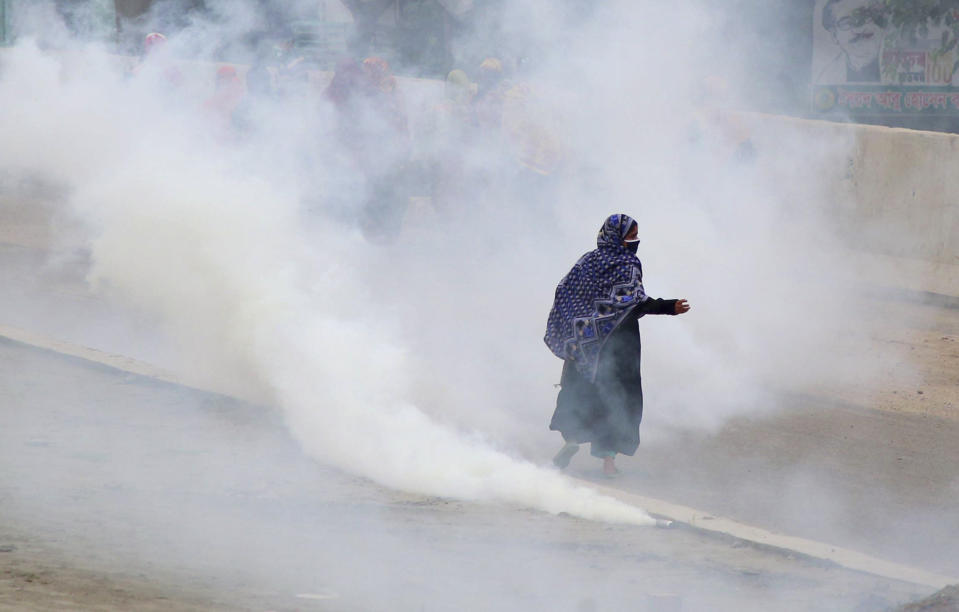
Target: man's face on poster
[(861, 42)]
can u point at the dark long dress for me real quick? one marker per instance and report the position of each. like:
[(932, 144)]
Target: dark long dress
[(607, 413)]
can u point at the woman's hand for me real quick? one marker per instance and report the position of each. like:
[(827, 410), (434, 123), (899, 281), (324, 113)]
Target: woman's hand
[(681, 306)]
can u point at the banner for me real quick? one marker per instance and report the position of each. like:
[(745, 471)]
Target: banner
[(860, 68)]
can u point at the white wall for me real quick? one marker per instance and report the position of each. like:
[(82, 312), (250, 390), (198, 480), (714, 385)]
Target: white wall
[(892, 195)]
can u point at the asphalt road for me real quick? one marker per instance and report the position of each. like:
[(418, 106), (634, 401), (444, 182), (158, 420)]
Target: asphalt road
[(122, 493), (882, 483), (118, 492)]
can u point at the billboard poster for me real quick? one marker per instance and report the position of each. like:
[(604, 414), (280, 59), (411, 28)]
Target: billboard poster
[(861, 69)]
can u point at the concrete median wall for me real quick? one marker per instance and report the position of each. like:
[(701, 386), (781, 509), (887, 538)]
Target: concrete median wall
[(906, 193), (894, 193)]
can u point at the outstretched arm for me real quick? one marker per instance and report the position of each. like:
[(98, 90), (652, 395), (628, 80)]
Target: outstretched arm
[(664, 307)]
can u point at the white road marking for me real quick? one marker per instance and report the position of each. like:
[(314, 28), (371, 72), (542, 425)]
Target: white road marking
[(844, 557), (323, 594)]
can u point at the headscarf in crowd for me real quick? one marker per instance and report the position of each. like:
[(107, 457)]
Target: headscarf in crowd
[(152, 42), (371, 123), (227, 94), (384, 98), (378, 69), (492, 86), (157, 54), (458, 88), (349, 81), (595, 297), (227, 91), (490, 75)]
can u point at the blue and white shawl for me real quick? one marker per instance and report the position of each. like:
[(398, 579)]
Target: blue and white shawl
[(594, 298)]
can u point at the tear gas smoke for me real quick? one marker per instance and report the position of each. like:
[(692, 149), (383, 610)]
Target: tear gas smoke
[(226, 249), (419, 363)]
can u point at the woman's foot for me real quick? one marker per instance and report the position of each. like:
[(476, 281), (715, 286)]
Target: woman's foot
[(561, 460), (609, 467)]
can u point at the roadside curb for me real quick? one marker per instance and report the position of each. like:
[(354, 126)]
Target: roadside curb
[(695, 519), (849, 559), (118, 362), (112, 360)]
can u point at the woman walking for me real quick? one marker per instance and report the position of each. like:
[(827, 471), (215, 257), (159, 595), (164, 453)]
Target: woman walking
[(593, 326)]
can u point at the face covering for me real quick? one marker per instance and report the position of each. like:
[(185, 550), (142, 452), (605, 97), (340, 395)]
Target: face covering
[(632, 247)]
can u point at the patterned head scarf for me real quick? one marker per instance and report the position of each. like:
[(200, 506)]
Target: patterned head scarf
[(614, 231), (595, 297)]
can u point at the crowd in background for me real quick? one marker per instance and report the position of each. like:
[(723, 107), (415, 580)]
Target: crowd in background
[(482, 135), (476, 137)]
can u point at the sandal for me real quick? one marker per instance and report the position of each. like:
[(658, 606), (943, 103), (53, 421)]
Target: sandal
[(562, 458)]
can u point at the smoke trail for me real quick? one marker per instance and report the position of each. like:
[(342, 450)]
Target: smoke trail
[(388, 358), (220, 258)]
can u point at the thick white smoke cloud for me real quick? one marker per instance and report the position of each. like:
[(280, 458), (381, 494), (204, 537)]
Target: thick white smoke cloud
[(220, 259), (420, 363)]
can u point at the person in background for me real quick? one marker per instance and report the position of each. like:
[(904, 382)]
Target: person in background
[(293, 79), (349, 92), (227, 93), (449, 134), (494, 179), (593, 327), (386, 153), (348, 85), (156, 61), (259, 92), (491, 88), (345, 101), (459, 92), (384, 98), (370, 127), (291, 74), (154, 41), (531, 128)]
